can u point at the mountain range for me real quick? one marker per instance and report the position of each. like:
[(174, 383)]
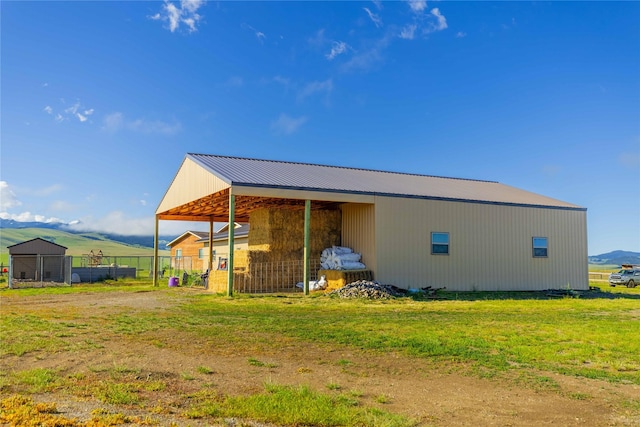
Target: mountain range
[(616, 258), (136, 241)]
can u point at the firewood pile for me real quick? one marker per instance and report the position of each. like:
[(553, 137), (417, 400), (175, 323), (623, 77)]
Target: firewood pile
[(368, 290)]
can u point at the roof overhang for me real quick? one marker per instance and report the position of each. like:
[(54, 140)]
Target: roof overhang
[(215, 207)]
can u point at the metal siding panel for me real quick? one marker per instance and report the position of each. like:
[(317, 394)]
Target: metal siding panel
[(490, 246), (358, 231), (190, 183)]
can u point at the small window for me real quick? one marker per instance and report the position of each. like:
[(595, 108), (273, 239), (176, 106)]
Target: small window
[(440, 243), (178, 253), (540, 247), (201, 253)]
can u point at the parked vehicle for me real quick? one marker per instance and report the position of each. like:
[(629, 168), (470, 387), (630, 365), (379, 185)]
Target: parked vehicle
[(629, 276)]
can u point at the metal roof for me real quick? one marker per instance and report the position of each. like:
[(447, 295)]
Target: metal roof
[(37, 239), (238, 171), (238, 232), (197, 234)]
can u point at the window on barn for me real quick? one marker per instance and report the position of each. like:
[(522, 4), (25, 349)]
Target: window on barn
[(178, 253), (201, 253), (540, 247), (439, 243)]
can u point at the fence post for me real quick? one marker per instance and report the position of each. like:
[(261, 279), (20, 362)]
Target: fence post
[(10, 277), (307, 220), (232, 212)]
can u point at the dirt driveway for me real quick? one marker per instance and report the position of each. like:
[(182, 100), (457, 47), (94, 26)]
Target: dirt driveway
[(416, 388)]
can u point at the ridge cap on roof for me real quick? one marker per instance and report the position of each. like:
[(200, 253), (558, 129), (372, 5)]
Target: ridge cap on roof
[(37, 238), (342, 167)]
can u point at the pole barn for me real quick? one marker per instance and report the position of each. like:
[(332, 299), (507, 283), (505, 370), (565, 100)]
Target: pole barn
[(412, 230)]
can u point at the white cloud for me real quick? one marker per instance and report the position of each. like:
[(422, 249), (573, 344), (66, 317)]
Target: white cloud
[(461, 34), (367, 58), (8, 198), (185, 14), (259, 34), (113, 122), (84, 116), (116, 222), (436, 22), (337, 48), (76, 110), (315, 87), (318, 40), (284, 81), (154, 126), (29, 217), (408, 31), (116, 122), (374, 18), (441, 21), (417, 6), (287, 125), (73, 109)]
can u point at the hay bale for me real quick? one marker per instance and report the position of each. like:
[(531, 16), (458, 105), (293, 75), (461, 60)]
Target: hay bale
[(218, 281), (336, 279), (278, 234), (240, 258)]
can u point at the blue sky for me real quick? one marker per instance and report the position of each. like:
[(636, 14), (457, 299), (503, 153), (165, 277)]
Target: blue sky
[(101, 100)]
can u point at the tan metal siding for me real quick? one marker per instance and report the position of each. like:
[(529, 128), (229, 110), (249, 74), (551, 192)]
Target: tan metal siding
[(490, 246), (358, 231), (190, 183)]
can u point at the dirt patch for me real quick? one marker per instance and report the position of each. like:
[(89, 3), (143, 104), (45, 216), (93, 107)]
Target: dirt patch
[(418, 388)]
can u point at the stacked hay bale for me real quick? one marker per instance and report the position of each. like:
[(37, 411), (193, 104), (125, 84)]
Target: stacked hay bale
[(278, 234), (276, 238)]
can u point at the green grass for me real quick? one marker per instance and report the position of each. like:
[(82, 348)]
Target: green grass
[(37, 380), (594, 338), (588, 338), (519, 339), (297, 406)]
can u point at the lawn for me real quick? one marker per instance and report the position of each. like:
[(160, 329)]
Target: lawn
[(514, 339)]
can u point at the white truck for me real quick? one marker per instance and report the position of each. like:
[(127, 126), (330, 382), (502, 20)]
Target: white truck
[(629, 276)]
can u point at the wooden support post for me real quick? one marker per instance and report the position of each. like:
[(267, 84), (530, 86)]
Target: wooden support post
[(232, 208), (155, 254), (210, 265), (307, 220)]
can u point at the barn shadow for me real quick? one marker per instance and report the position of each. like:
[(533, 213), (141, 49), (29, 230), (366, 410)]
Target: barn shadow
[(549, 294)]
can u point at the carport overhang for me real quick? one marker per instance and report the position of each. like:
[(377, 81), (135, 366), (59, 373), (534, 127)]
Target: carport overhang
[(236, 203)]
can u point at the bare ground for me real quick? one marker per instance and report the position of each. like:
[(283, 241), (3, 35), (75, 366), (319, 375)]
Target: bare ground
[(417, 388)]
